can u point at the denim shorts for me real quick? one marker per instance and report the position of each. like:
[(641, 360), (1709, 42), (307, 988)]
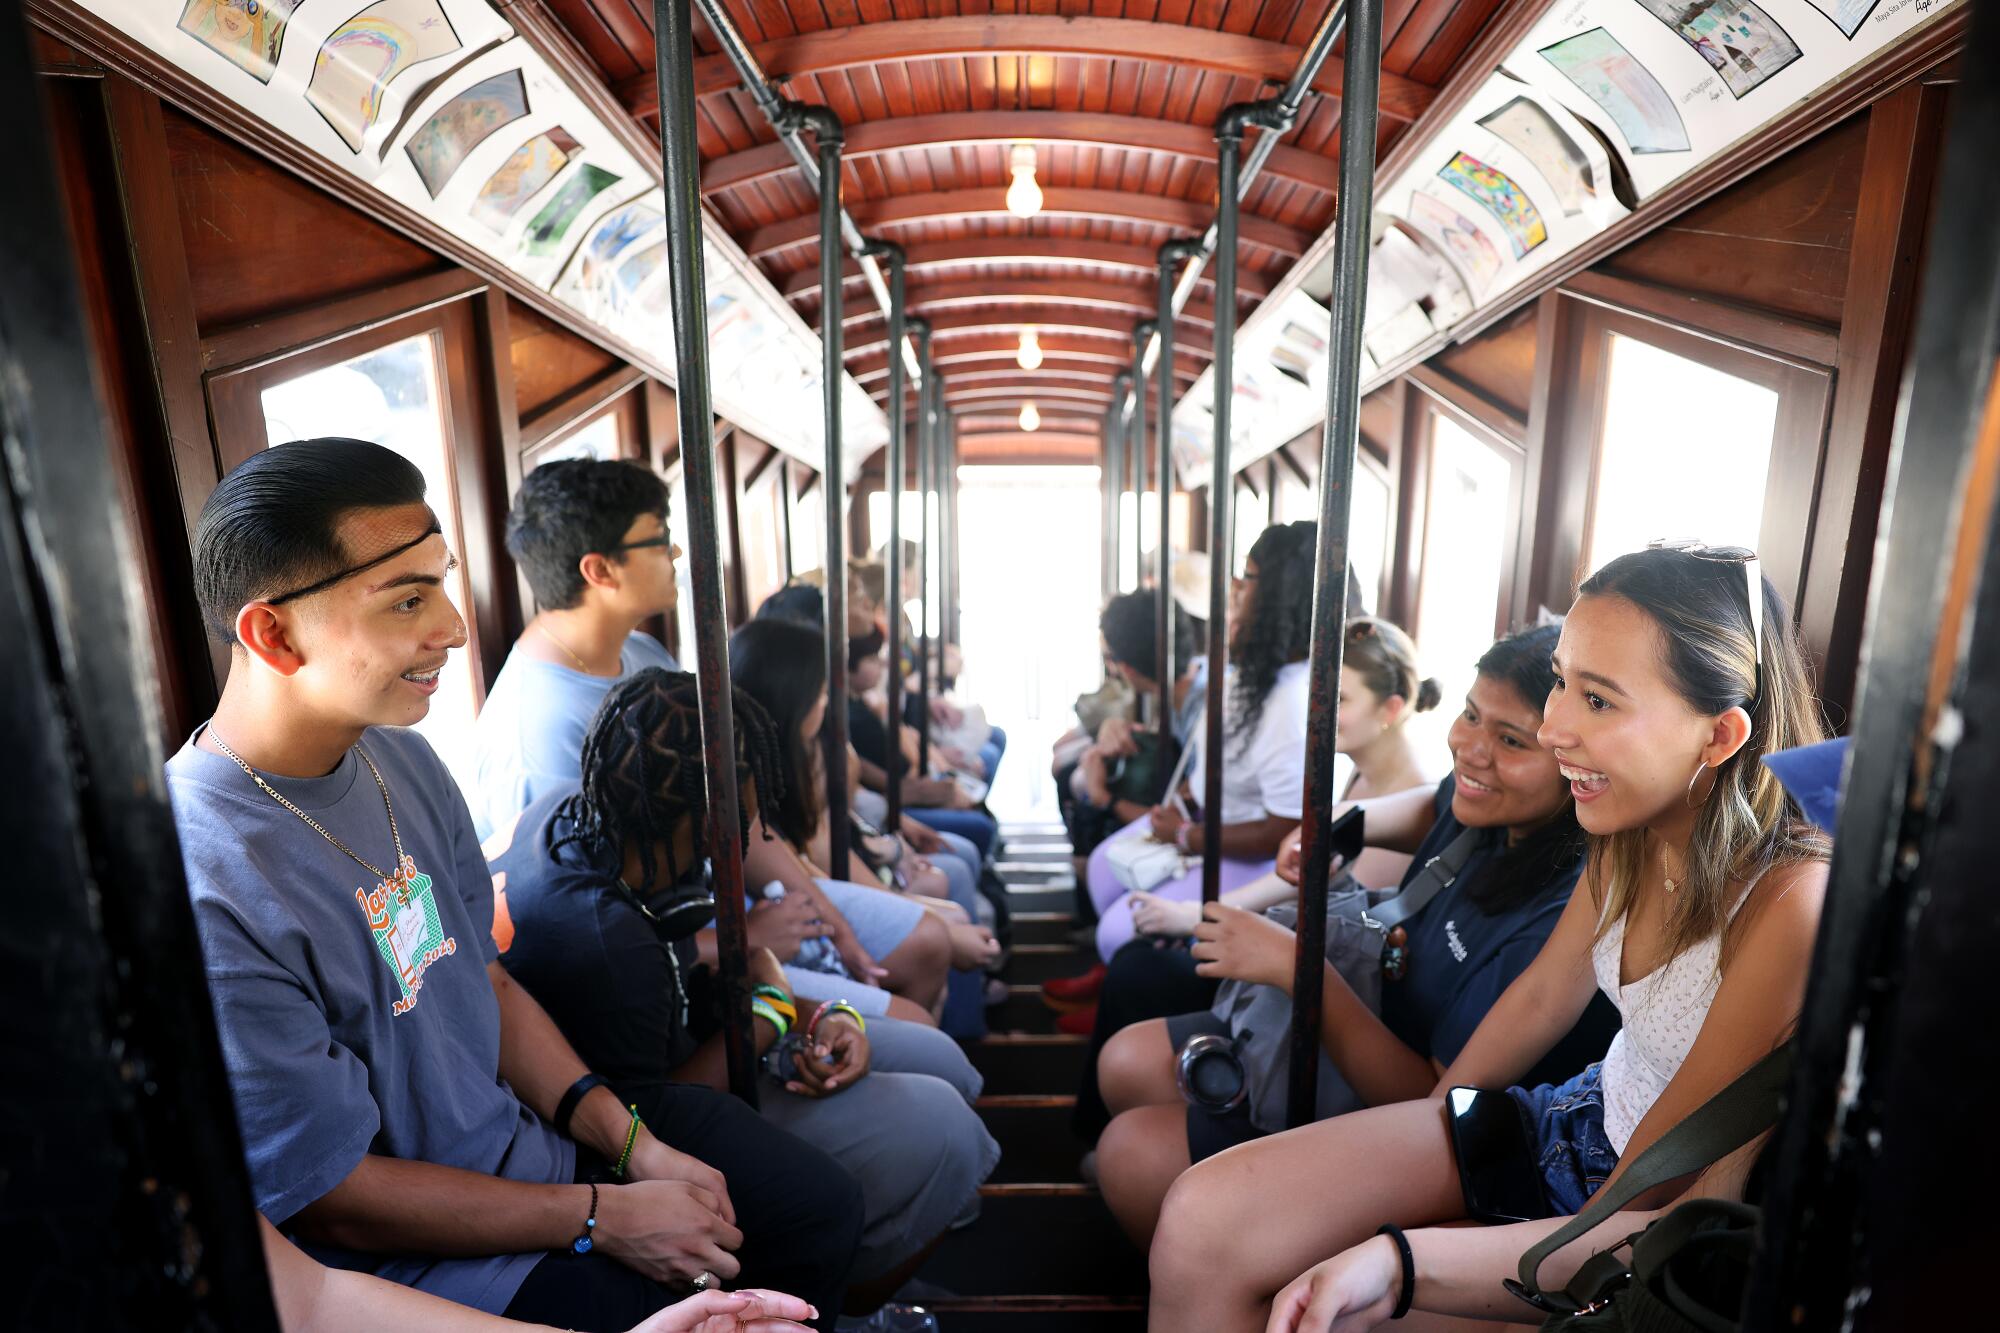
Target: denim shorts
[(1573, 1151)]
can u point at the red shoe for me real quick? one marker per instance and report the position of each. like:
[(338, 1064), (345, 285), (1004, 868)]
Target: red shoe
[(1064, 994), (1078, 1022)]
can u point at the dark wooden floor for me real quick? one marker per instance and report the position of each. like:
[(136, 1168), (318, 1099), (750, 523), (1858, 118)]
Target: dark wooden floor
[(1044, 1255)]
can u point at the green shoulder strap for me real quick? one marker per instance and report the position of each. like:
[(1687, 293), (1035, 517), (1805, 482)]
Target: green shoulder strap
[(1713, 1130)]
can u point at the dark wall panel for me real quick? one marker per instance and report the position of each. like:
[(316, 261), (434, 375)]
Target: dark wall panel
[(549, 360), (1779, 240), (1499, 363), (261, 242)]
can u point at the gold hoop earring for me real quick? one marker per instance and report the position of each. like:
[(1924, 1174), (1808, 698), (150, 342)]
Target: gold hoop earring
[(1687, 799)]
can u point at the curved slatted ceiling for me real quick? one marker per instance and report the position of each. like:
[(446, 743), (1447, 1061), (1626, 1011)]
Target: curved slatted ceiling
[(1118, 97)]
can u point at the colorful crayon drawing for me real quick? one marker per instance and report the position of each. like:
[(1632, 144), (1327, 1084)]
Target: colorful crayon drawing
[(462, 124), (1496, 192), (631, 277), (1738, 40), (530, 167), (1528, 128), (1608, 75), (546, 230), (249, 34), (356, 65), (1460, 236), (619, 230), (1846, 15)]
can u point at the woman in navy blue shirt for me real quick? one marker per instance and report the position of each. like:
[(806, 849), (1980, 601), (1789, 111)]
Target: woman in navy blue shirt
[(1463, 948)]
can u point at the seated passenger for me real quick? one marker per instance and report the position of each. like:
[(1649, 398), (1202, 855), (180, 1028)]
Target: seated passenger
[(1463, 948), (937, 802), (1677, 670), (591, 538), (782, 665), (890, 1101), (312, 1298), (1086, 788), (1464, 1269), (407, 1109), (1264, 731)]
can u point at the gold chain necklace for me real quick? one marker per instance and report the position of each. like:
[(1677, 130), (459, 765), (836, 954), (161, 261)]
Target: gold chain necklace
[(543, 631), (401, 861)]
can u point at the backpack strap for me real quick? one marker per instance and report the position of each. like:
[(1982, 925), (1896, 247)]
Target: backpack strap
[(1719, 1126), (1436, 876)]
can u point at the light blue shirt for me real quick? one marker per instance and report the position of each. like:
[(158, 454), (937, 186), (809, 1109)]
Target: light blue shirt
[(529, 737)]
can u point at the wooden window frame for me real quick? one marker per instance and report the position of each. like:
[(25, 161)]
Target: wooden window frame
[(617, 392), (1793, 358), (1430, 398), (241, 362)]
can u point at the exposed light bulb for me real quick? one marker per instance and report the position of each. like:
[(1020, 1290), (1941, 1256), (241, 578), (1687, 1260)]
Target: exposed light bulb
[(1030, 355), (1030, 418), (1024, 196)]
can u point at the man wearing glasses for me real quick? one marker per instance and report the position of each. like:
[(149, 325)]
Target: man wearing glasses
[(591, 539)]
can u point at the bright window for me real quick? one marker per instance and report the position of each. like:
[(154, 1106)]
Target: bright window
[(598, 440), (1368, 531), (391, 396), (1684, 453), (1465, 547)]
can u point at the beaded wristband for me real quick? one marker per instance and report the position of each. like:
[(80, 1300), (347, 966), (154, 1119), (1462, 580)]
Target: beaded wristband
[(764, 1009), (583, 1242), (631, 1137)]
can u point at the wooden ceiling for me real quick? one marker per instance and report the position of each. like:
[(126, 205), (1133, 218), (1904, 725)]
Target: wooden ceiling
[(1119, 98)]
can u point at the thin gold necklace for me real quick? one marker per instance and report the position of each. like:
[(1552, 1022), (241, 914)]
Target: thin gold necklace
[(542, 630), (402, 861)]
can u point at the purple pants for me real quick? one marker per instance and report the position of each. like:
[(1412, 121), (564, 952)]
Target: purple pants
[(1114, 911)]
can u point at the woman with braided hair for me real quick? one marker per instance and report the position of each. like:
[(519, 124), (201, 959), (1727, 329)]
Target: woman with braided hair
[(607, 892)]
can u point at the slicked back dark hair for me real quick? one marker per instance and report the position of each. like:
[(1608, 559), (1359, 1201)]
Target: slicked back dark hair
[(643, 772), (1127, 626), (782, 665), (570, 508), (273, 524)]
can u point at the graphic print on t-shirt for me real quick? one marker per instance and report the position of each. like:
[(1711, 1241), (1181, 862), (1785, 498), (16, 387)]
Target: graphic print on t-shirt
[(403, 917)]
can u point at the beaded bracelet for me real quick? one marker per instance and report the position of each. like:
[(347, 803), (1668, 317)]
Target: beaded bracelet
[(583, 1242), (631, 1137), (764, 1009), (837, 1007)]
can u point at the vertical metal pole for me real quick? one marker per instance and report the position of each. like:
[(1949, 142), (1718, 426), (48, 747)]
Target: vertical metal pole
[(124, 1198), (1140, 337), (827, 131), (673, 21), (785, 513), (1221, 501), (1172, 254), (949, 514), (1362, 69), (926, 458), (1107, 493), (893, 477), (1849, 1241), (1229, 127), (1114, 542)]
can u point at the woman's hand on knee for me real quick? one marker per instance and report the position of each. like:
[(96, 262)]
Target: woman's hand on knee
[(1352, 1292)]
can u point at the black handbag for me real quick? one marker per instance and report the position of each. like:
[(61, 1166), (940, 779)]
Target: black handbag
[(1689, 1269)]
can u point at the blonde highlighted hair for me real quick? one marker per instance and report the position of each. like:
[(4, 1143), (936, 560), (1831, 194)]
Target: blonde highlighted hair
[(1711, 655)]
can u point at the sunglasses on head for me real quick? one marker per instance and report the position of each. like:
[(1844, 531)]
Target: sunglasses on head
[(1753, 586)]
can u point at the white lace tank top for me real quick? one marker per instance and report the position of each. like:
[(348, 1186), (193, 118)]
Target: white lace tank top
[(1662, 1013)]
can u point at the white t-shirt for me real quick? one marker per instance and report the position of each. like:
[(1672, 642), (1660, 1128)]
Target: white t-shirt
[(1263, 773)]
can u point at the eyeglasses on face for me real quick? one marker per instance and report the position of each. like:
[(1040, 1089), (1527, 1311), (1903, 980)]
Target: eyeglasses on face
[(1753, 585), (641, 544)]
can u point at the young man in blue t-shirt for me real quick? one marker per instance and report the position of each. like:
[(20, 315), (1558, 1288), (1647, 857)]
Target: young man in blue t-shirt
[(406, 1108), (591, 538)]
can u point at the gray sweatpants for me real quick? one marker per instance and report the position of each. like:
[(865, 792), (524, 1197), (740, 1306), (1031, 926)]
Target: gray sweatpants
[(907, 1132)]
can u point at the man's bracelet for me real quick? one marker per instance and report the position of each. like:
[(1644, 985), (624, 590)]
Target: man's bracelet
[(837, 1007), (566, 1108)]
